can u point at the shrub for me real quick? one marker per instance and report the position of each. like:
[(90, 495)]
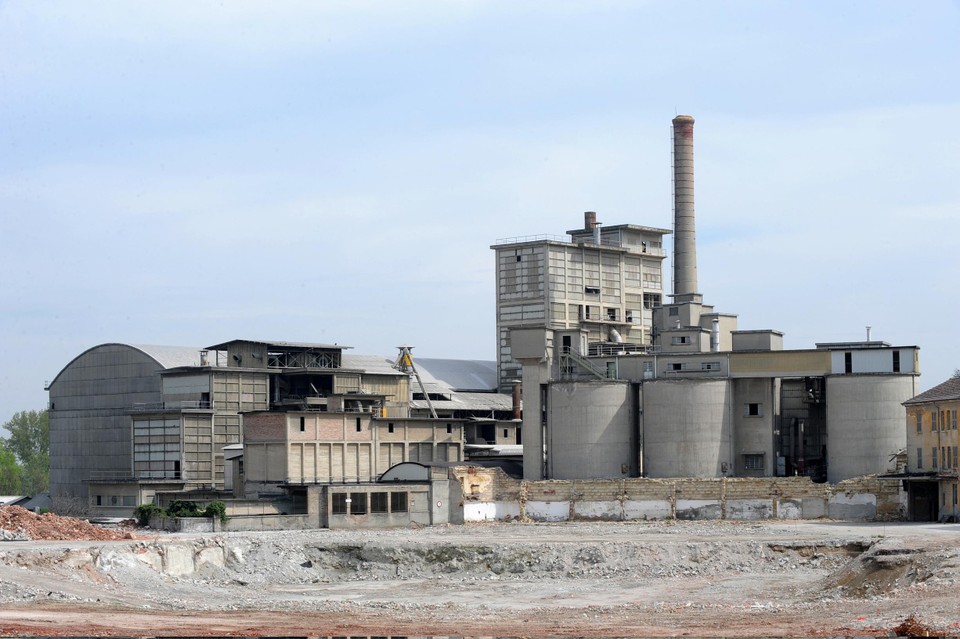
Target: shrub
[(182, 508), (144, 512), (216, 509)]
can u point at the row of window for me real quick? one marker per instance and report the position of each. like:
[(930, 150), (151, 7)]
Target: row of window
[(115, 500), (939, 420), (704, 366), (362, 503), (947, 457)]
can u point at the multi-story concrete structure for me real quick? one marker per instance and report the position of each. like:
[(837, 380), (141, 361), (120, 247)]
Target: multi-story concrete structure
[(289, 450), (703, 399), (128, 422), (932, 447), (604, 280)]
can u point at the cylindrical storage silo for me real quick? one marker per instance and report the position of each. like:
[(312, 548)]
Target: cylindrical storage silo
[(687, 428)]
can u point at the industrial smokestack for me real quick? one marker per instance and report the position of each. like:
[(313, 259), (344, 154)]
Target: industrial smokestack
[(589, 220), (684, 234)]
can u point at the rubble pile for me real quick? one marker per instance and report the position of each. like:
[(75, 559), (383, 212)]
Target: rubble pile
[(19, 524)]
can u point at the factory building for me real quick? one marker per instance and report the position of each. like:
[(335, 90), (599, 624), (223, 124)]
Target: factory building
[(933, 442), (128, 422), (606, 280), (689, 394)]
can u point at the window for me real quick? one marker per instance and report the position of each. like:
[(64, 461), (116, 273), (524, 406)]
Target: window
[(591, 290), (943, 457), (507, 434), (753, 410), (933, 420), (612, 314), (955, 456), (848, 362), (519, 258), (709, 366), (934, 456), (99, 500), (680, 339), (390, 427), (449, 428), (129, 500), (896, 361), (676, 366), (954, 420), (919, 458), (359, 425), (954, 494), (358, 503), (303, 424), (339, 503), (650, 300), (753, 461), (674, 311), (378, 502), (919, 422), (398, 502)]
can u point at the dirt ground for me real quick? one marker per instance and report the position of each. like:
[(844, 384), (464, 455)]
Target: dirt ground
[(594, 579)]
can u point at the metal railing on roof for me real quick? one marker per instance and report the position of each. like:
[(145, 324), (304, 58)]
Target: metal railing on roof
[(533, 238), (146, 407)]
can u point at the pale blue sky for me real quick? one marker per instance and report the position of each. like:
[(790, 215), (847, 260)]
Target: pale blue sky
[(185, 173)]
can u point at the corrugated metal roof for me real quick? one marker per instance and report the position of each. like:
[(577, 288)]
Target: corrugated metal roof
[(468, 401), (171, 356), (370, 363), (268, 342), (459, 374)]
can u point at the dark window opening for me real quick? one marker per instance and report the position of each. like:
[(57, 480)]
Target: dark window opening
[(449, 428), (519, 258), (848, 362), (390, 427), (398, 502), (378, 502), (359, 425), (339, 503), (358, 503), (303, 424), (754, 410), (674, 311), (896, 361), (591, 290)]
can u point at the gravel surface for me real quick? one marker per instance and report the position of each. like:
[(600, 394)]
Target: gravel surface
[(587, 579)]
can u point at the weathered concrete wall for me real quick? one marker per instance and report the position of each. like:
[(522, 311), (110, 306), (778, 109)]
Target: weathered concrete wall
[(490, 494)]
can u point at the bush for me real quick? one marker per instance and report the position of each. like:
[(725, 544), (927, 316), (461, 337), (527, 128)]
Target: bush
[(216, 509), (144, 512), (182, 508)]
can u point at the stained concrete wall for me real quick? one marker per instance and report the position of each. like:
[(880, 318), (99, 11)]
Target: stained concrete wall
[(687, 428), (865, 422), (592, 430), (493, 495)]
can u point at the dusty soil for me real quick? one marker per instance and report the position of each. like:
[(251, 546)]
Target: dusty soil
[(505, 579)]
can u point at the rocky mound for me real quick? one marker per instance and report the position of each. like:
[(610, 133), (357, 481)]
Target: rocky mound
[(20, 524)]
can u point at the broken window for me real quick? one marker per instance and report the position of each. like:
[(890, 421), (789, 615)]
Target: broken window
[(848, 362), (753, 410), (753, 461), (919, 458), (896, 361)]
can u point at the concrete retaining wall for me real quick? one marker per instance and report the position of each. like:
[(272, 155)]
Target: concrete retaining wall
[(490, 495)]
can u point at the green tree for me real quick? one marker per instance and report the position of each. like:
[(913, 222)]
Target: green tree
[(10, 472), (29, 443)]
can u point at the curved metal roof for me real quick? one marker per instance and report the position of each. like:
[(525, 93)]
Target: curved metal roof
[(165, 356)]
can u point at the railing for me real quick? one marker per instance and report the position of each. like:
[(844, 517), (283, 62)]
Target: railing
[(570, 361), (609, 350), (126, 475), (147, 407), (532, 238)]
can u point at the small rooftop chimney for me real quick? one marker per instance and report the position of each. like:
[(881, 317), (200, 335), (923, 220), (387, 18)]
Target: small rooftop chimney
[(589, 220)]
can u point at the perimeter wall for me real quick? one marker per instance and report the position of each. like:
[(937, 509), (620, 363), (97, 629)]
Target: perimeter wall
[(489, 494)]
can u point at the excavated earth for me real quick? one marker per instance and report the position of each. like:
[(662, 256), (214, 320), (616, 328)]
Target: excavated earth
[(706, 578)]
